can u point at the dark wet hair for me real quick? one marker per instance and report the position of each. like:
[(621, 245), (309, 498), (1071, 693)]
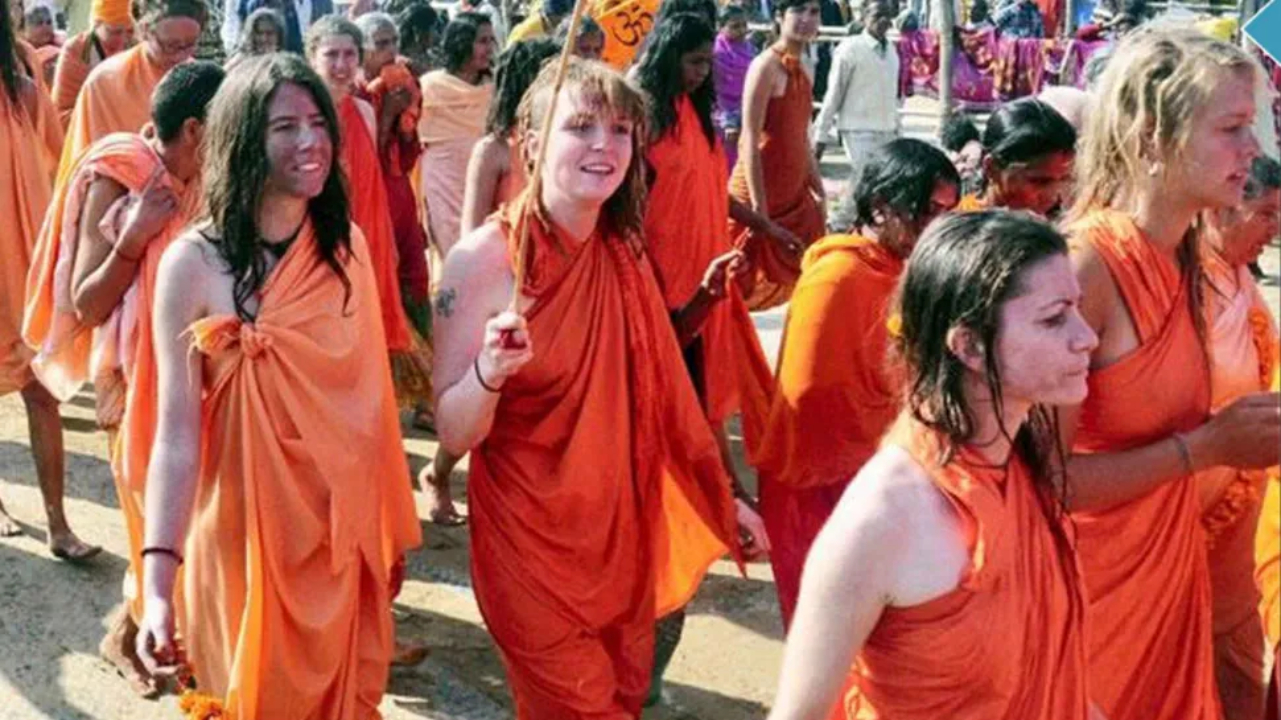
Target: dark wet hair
[(901, 174), (153, 11), (661, 74), (460, 37), (962, 271), (9, 62), (245, 47), (416, 23), (729, 14), (1026, 130), (182, 94), (1265, 175), (237, 167), (333, 26), (519, 64), (957, 132)]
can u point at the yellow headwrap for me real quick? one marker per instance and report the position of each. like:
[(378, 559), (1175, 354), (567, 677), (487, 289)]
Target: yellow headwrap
[(110, 12)]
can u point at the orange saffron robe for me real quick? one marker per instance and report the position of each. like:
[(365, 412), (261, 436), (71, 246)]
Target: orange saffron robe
[(971, 203), (26, 175), (1267, 573), (684, 232), (1009, 642), (117, 355), (598, 499), (785, 159), (1243, 342), (116, 97), (302, 506), (70, 73), (834, 400), (1151, 640)]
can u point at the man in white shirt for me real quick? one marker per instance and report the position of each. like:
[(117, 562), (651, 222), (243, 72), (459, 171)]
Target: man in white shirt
[(862, 94)]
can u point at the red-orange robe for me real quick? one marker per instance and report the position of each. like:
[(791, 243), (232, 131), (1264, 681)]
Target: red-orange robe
[(118, 355), (1009, 642), (1151, 641), (684, 232), (26, 175), (598, 499), (1267, 573), (835, 397), (785, 159), (302, 506), (116, 97)]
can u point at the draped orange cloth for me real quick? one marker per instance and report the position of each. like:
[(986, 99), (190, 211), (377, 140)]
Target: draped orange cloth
[(25, 188), (598, 499), (684, 232), (785, 159), (945, 658), (70, 74), (48, 131), (1151, 641), (1243, 348), (116, 97), (1267, 573), (834, 399), (302, 506), (370, 211), (117, 355)]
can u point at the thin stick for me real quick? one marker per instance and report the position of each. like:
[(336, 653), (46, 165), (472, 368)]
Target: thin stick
[(536, 175)]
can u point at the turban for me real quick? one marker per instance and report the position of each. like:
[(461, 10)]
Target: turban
[(110, 12)]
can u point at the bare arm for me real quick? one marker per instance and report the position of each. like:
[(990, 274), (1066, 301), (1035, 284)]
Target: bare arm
[(1243, 435), (757, 89), (469, 320), (485, 169), (102, 273)]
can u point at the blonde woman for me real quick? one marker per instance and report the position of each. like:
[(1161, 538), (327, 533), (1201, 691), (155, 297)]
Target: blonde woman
[(1168, 138)]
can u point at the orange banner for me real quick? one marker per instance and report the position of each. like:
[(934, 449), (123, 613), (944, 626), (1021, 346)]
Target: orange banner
[(625, 24)]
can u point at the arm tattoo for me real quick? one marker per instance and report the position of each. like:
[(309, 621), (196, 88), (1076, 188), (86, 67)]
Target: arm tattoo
[(445, 298)]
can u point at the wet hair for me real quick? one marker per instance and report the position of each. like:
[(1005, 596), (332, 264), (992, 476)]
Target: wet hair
[(331, 26), (460, 38), (661, 73), (964, 268), (604, 90), (236, 170), (519, 64), (901, 174), (150, 12), (10, 78), (729, 14), (586, 26), (372, 22), (1025, 131), (415, 24), (184, 93), (245, 47), (1265, 175), (957, 131)]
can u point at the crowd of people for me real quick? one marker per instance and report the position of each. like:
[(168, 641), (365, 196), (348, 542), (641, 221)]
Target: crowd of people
[(1016, 458)]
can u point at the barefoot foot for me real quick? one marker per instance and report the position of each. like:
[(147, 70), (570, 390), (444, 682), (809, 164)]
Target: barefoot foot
[(66, 546), (117, 648), (8, 526), (440, 503), (408, 654)]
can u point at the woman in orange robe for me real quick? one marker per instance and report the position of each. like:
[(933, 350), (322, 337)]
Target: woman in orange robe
[(1146, 429), (91, 290), (1243, 352), (1028, 150), (597, 494), (111, 33), (114, 96), (836, 393), (957, 526), (776, 175), (277, 472)]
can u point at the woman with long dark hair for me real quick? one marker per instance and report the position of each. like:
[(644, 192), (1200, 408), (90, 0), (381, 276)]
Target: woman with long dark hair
[(277, 472), (1028, 151), (956, 527)]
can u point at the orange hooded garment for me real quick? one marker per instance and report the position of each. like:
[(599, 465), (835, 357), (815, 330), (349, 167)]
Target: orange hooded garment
[(834, 399), (684, 232), (1151, 641), (302, 506), (118, 355), (370, 211), (26, 175), (116, 97), (1009, 642), (598, 498), (785, 159)]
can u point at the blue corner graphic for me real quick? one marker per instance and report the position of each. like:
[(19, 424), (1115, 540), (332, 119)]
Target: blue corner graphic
[(1265, 30)]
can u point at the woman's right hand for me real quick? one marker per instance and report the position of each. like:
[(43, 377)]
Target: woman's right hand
[(156, 645), (1244, 435), (156, 205), (505, 349)]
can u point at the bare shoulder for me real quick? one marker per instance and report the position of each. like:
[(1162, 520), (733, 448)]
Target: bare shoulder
[(1098, 288), (492, 153), (189, 261), (479, 263), (887, 492)]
